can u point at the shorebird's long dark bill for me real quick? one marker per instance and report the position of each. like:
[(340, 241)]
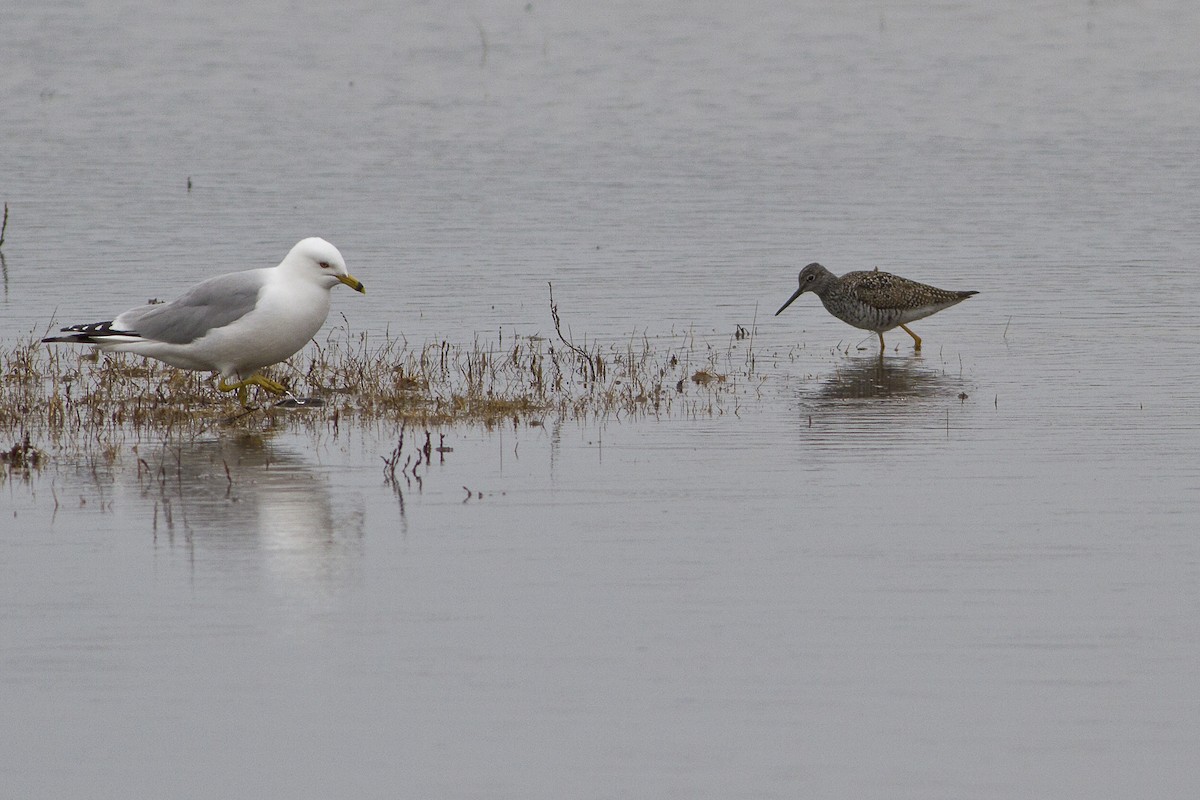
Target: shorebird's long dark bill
[(799, 292)]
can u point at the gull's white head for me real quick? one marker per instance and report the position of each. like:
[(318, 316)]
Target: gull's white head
[(319, 261)]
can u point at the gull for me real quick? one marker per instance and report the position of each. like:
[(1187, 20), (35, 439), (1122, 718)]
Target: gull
[(232, 324)]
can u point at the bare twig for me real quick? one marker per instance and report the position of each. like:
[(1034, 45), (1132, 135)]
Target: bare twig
[(579, 351), (750, 346), (389, 462), (483, 42)]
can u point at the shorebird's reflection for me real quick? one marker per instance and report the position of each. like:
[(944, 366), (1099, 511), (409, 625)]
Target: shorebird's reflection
[(883, 379), (868, 404), (246, 499)]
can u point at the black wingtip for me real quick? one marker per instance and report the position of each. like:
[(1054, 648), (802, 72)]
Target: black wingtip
[(79, 338), (100, 328), (90, 333)]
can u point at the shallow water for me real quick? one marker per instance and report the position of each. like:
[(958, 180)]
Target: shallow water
[(850, 581)]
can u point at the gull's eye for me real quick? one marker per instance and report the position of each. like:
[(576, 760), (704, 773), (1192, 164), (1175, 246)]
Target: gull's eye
[(324, 265)]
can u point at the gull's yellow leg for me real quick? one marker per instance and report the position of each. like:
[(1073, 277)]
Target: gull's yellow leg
[(916, 338), (274, 387)]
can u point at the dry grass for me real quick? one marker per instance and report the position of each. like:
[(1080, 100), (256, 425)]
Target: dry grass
[(76, 398)]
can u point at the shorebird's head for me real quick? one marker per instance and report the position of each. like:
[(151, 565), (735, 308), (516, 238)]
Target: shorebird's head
[(813, 278), (319, 261)]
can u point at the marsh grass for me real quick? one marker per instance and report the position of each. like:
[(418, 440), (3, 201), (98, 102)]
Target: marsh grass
[(66, 395)]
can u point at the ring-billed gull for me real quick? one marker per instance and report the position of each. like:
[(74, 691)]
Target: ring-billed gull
[(232, 324)]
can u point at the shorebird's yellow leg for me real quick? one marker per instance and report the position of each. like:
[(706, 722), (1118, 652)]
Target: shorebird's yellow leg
[(880, 335), (274, 387), (916, 338)]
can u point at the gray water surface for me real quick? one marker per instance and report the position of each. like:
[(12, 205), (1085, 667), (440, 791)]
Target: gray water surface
[(969, 572)]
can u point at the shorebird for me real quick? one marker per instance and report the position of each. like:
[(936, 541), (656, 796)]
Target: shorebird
[(874, 301), (232, 324)]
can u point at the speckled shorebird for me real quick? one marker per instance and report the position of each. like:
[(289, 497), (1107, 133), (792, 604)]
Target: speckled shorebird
[(874, 301)]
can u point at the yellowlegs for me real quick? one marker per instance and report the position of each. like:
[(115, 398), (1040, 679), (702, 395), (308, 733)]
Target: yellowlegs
[(874, 301)]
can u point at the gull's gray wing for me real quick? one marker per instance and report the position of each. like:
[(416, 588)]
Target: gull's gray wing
[(209, 304)]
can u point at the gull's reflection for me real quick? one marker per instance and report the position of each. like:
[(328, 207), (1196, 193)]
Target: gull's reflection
[(255, 504)]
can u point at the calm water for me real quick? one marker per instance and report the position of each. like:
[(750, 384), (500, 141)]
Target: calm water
[(852, 584)]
